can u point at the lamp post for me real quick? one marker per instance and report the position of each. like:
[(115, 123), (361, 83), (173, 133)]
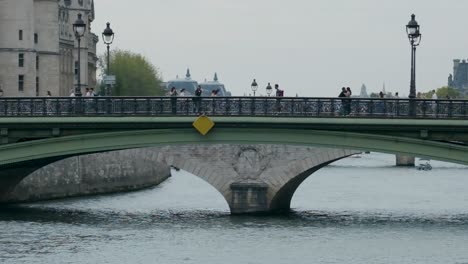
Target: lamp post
[(269, 89), (108, 38), (79, 27), (414, 36), (254, 86)]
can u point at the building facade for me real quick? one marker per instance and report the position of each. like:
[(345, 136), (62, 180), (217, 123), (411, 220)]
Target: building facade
[(39, 51), (459, 79)]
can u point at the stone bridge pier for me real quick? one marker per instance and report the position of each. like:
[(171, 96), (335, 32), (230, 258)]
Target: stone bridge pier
[(252, 178)]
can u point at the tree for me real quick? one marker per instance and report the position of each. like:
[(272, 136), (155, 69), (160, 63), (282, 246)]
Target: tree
[(135, 75), (447, 92), (443, 93)]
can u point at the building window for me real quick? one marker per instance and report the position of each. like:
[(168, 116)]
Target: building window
[(36, 38), (21, 60), (37, 62), (37, 86), (20, 34), (21, 83)]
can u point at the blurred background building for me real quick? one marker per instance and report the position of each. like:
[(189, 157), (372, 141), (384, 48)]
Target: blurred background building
[(38, 48)]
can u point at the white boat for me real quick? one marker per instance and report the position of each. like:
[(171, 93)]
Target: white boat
[(424, 165)]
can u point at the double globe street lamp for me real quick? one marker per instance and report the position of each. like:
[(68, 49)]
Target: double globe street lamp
[(79, 27), (108, 38)]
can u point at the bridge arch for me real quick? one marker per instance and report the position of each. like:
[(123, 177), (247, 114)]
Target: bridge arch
[(258, 186), (237, 168)]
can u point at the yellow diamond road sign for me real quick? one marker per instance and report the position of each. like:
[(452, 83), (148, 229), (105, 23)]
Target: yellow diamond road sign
[(203, 124)]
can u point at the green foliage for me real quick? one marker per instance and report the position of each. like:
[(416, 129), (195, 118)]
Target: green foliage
[(426, 95), (135, 75), (443, 93)]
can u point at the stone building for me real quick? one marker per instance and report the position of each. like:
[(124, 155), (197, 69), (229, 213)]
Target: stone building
[(209, 86), (38, 49), (459, 79)]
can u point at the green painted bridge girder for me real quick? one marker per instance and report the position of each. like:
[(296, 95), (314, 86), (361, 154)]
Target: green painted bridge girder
[(27, 128), (66, 146)]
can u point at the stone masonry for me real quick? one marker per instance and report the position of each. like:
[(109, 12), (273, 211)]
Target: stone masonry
[(252, 178), (124, 170)]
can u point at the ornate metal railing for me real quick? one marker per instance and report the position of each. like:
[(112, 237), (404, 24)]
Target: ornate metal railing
[(233, 106)]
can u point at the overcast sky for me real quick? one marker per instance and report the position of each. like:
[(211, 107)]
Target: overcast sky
[(309, 47)]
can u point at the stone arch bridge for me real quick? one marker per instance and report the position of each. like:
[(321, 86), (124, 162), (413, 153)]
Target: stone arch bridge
[(252, 178), (255, 163)]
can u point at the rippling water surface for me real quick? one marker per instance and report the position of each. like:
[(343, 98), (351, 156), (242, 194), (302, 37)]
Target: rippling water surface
[(358, 210)]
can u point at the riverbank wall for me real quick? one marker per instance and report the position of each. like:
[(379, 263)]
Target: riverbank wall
[(117, 171)]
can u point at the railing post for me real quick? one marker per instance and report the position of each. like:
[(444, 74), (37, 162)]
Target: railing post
[(384, 107), (135, 106), (252, 106), (424, 108), (332, 107), (80, 107), (96, 106), (31, 107), (57, 107), (108, 105), (319, 107), (450, 108), (5, 102), (464, 109), (397, 104), (412, 107), (358, 107), (293, 106), (305, 107), (44, 107), (18, 107), (213, 106), (227, 106), (148, 106)]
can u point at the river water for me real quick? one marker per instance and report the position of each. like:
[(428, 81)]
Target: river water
[(357, 210)]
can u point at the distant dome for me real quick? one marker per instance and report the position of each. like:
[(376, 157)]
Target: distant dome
[(183, 83), (209, 86)]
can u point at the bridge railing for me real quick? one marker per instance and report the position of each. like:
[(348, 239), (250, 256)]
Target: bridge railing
[(234, 106)]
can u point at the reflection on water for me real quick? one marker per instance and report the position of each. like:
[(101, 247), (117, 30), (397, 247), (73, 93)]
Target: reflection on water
[(358, 210)]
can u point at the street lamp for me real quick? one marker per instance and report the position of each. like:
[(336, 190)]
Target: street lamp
[(108, 38), (79, 27), (414, 36), (269, 89), (254, 86)]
